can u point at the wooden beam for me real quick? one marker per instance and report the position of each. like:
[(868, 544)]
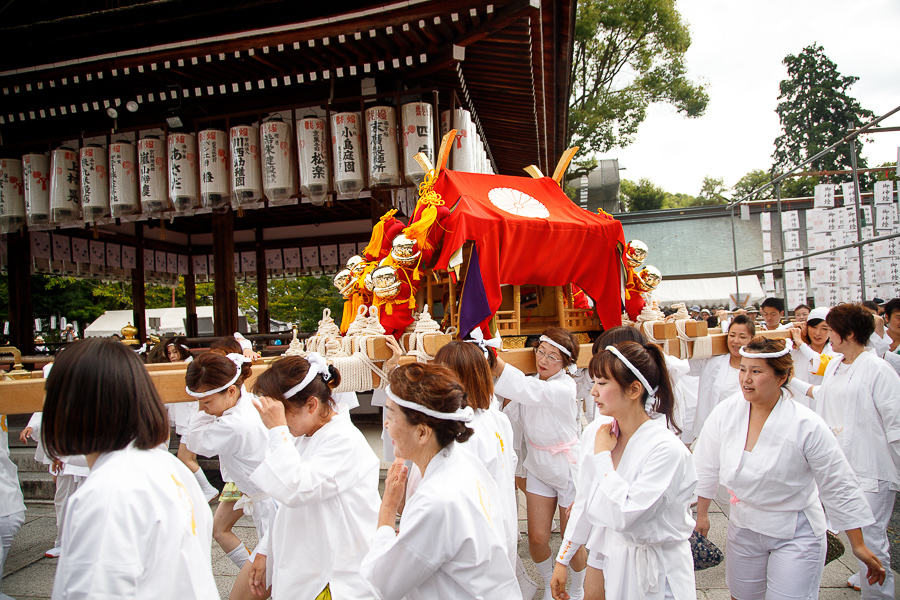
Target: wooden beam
[(502, 18), (138, 301), (21, 314), (190, 301), (225, 309)]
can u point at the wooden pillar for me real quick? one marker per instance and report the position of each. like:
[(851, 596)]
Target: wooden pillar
[(560, 305), (262, 285), (190, 300), (138, 302), (21, 314), (225, 307)]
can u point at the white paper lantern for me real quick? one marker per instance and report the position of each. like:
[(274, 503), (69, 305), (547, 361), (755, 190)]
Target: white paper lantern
[(94, 182), (246, 179), (278, 172), (312, 153), (418, 136), (12, 195), (65, 204), (184, 191), (348, 175), (462, 156), (123, 190), (153, 189), (381, 136), (213, 169), (36, 173)]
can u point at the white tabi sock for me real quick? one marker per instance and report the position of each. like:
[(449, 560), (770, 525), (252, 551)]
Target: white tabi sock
[(545, 568), (239, 556), (576, 590), (209, 492)]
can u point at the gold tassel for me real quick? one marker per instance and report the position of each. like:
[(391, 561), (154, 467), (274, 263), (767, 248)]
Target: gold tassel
[(419, 230), (374, 247)]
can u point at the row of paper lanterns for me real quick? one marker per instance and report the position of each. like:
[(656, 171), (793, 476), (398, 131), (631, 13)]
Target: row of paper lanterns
[(215, 168)]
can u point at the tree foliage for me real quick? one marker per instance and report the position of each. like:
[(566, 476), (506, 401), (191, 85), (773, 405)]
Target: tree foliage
[(643, 195), (816, 111), (712, 191), (628, 54)]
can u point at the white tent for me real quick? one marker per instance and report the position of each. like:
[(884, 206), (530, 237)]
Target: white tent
[(171, 321), (712, 291)]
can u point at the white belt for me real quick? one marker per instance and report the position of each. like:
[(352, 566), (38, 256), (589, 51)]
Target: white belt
[(647, 561), (248, 500)]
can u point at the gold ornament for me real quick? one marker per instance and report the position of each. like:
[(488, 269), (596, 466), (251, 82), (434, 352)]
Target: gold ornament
[(385, 281), (403, 251), (649, 278), (356, 264), (637, 253)]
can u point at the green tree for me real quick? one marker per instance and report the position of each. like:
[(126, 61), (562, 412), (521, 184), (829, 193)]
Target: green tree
[(627, 55), (679, 200), (816, 111), (751, 182), (712, 191), (642, 195)]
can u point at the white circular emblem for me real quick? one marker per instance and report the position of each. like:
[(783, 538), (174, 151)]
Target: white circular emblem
[(518, 203)]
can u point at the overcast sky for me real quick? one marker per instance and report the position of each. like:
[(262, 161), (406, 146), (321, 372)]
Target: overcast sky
[(737, 49)]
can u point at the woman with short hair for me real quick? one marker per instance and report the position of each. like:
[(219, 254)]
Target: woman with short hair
[(139, 526)]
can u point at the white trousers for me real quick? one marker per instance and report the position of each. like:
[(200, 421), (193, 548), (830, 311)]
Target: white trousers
[(65, 487), (9, 527), (760, 567), (882, 504)]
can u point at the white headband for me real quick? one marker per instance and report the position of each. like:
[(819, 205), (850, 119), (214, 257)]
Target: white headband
[(633, 369), (462, 414), (478, 338), (788, 346), (317, 366), (238, 360), (571, 369)]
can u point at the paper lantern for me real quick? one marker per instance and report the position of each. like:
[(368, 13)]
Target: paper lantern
[(123, 191), (154, 192), (277, 170), (36, 173), (12, 195), (65, 204), (313, 156), (94, 182), (213, 169), (246, 179), (348, 175), (184, 190), (462, 156), (418, 136), (381, 137)]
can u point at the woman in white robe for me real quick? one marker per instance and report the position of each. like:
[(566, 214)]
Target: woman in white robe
[(779, 463), (812, 351), (228, 426), (324, 475), (139, 526), (636, 480), (860, 401), (452, 535), (548, 413), (719, 374)]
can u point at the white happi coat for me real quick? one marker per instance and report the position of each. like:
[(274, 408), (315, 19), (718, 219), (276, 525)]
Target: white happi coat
[(639, 513), (548, 414), (795, 466), (239, 438), (138, 527), (718, 380), (863, 412), (492, 445), (326, 486), (451, 541)]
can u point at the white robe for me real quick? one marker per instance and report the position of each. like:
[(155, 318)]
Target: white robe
[(326, 486), (11, 500), (492, 445), (863, 412), (548, 413), (640, 513), (718, 380), (809, 366), (239, 438), (139, 528), (795, 464), (451, 542)]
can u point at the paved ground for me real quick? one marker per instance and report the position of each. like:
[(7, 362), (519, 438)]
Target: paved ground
[(30, 576)]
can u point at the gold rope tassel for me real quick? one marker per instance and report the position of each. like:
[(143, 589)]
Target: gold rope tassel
[(374, 247), (430, 199)]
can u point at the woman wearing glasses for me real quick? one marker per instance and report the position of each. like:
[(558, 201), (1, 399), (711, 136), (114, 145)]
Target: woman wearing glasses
[(547, 410)]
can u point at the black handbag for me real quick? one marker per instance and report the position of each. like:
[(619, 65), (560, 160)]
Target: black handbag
[(835, 547), (706, 554)]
